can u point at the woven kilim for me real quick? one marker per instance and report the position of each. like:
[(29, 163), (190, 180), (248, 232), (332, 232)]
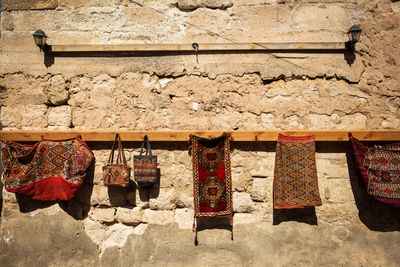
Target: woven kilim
[(380, 169), (295, 177), (49, 170), (145, 165), (212, 176)]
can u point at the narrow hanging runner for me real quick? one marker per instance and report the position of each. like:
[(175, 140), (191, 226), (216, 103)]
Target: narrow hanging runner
[(295, 177), (212, 180)]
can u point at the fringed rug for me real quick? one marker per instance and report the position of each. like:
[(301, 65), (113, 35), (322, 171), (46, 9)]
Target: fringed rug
[(295, 178), (380, 169), (212, 180)]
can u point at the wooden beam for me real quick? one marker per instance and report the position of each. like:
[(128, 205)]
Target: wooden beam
[(202, 47), (173, 136)]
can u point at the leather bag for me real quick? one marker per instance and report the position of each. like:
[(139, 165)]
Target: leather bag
[(117, 174), (145, 165)]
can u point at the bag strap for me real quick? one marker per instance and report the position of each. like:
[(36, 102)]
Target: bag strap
[(111, 157), (121, 154), (148, 152)]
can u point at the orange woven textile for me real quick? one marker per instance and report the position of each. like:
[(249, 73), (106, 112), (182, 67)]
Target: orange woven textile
[(295, 178)]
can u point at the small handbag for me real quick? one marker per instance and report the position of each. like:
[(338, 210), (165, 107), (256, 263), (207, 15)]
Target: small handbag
[(117, 174), (145, 166)]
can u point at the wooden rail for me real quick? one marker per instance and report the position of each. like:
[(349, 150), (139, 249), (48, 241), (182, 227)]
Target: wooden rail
[(201, 47), (172, 136)]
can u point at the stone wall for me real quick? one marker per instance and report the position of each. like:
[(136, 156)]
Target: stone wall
[(253, 91)]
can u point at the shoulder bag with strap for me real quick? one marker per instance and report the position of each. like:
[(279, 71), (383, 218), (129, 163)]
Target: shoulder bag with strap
[(145, 165), (117, 174)]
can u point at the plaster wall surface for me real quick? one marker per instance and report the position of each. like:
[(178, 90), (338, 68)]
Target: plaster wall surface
[(228, 91)]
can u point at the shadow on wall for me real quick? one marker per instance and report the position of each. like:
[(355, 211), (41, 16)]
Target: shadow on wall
[(303, 215), (212, 223), (375, 215), (129, 193)]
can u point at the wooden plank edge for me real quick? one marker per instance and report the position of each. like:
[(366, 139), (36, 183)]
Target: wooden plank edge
[(202, 47), (172, 136)]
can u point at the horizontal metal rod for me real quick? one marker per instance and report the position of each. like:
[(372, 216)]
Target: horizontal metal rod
[(172, 136), (201, 47)]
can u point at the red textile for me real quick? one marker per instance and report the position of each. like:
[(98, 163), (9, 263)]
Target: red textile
[(360, 150), (212, 176), (49, 170), (49, 189)]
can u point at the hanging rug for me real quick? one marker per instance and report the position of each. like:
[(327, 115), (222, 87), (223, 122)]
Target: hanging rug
[(212, 180), (295, 177)]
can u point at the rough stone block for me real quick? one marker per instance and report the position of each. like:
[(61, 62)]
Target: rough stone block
[(140, 229), (25, 117), (95, 230), (164, 200), (158, 217), (259, 191), (59, 118), (240, 179), (90, 120), (10, 117), (184, 218), (333, 168), (57, 91), (267, 121), (102, 215), (242, 202), (28, 4), (391, 123), (337, 191), (130, 216), (27, 97), (264, 167), (116, 235), (111, 196), (183, 200), (34, 116)]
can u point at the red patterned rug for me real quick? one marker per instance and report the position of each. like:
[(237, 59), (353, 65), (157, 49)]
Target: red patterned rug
[(212, 176), (295, 177), (380, 169), (50, 170)]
